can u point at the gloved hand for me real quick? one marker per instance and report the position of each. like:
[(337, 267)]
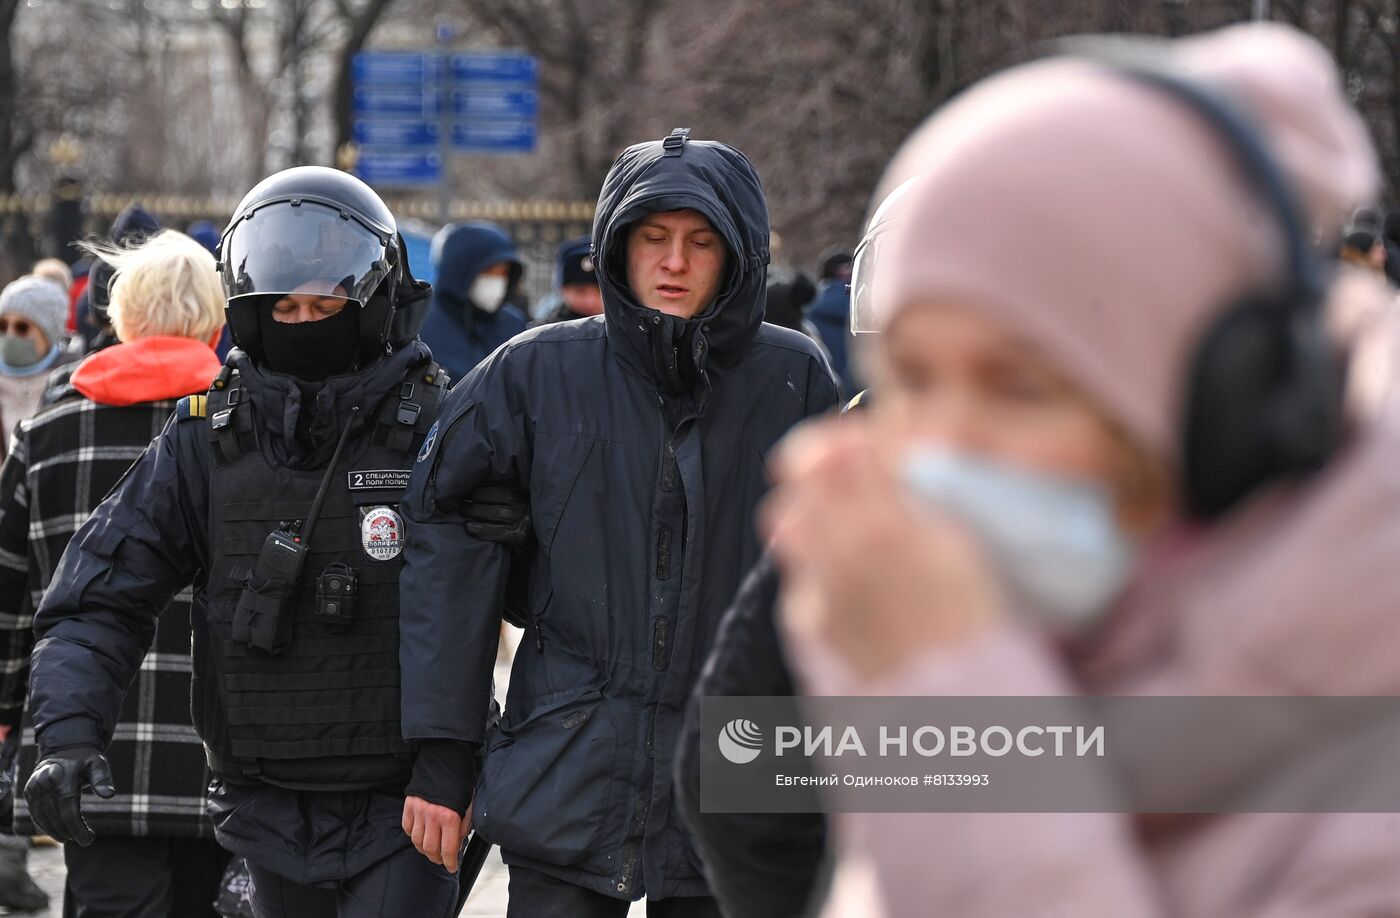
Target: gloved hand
[(498, 513), (54, 788)]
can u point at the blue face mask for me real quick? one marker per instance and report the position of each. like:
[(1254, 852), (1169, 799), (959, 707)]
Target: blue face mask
[(1055, 543), (19, 357)]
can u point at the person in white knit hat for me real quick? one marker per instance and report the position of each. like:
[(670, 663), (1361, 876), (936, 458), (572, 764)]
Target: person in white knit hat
[(32, 313)]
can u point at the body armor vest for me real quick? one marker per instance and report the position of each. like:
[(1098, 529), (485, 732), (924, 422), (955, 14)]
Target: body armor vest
[(322, 711)]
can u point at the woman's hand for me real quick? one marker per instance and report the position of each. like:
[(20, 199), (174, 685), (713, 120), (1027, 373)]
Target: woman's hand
[(867, 574)]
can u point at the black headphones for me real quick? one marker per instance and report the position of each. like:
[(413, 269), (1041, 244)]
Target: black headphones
[(1264, 396)]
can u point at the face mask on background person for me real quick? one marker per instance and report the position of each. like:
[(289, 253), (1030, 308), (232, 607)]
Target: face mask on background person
[(488, 292), (19, 352), (1055, 543)]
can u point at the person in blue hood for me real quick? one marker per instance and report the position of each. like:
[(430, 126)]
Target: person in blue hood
[(477, 270), (207, 234), (830, 312), (638, 436)]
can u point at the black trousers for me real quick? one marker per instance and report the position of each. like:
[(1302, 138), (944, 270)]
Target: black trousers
[(403, 884), (538, 895), (124, 877)]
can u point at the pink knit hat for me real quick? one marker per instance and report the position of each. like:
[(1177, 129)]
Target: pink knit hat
[(1106, 222)]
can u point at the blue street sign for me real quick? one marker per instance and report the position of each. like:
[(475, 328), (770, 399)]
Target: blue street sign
[(395, 67), (395, 100), (496, 103), (399, 168), (402, 101), (503, 67), (384, 132), (494, 136)]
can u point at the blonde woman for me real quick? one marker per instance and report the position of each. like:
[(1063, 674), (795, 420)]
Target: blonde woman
[(155, 854)]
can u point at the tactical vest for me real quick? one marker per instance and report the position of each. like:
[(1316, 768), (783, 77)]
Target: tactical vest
[(323, 713)]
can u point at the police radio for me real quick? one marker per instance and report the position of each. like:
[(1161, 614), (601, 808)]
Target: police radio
[(267, 606)]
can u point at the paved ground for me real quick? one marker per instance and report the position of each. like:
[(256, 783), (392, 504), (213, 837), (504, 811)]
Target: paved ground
[(488, 898)]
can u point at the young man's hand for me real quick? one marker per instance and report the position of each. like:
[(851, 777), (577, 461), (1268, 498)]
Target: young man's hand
[(437, 831)]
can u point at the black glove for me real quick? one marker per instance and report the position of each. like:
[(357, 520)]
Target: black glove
[(498, 513), (55, 786)]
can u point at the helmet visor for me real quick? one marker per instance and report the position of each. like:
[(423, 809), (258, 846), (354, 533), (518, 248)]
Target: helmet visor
[(870, 291), (303, 247), (867, 310)]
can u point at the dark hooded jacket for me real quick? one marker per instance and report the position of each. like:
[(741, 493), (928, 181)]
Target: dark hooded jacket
[(460, 333), (640, 438), (146, 543)]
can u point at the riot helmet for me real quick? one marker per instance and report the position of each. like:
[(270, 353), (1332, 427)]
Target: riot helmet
[(311, 230)]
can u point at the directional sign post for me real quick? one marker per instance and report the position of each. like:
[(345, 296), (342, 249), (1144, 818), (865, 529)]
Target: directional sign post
[(397, 101), (495, 102), (414, 109), (406, 168), (375, 132), (495, 137)]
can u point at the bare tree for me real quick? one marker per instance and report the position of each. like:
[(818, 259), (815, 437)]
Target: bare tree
[(206, 96), (358, 22), (15, 141)]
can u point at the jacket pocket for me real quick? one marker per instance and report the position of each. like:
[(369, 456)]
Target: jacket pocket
[(545, 788)]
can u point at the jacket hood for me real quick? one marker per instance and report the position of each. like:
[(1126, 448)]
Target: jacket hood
[(679, 174), (281, 401), (146, 370), (461, 251)]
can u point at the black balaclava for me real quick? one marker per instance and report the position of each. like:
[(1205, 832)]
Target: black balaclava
[(311, 351)]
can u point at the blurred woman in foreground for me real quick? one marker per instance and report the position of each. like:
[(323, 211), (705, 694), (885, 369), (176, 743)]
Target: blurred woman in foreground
[(1098, 326)]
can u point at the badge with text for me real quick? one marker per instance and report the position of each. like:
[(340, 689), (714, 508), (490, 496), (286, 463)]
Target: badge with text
[(379, 479), (381, 534)]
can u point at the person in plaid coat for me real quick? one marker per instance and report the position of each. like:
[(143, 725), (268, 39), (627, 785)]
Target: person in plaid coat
[(154, 854)]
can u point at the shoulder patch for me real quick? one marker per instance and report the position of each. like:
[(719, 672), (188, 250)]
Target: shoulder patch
[(191, 406), (428, 443)]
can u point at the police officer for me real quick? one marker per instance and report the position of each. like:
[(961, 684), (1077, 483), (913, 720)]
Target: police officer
[(579, 296), (275, 497)]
